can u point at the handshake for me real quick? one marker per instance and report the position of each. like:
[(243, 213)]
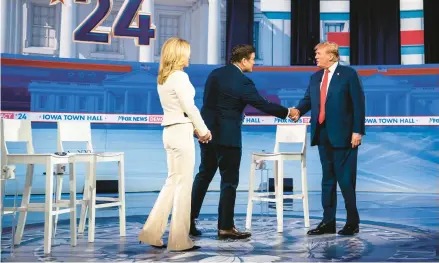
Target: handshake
[(204, 139), (294, 114)]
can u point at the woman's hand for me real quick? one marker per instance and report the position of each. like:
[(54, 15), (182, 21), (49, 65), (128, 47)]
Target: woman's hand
[(204, 139)]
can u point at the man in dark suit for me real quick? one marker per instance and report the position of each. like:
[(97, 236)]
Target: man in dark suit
[(336, 99), (227, 92)]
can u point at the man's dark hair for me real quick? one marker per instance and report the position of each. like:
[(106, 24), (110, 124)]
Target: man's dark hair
[(241, 51)]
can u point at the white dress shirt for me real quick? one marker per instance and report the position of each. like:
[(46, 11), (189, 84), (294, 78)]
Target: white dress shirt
[(177, 98), (238, 68), (330, 74)]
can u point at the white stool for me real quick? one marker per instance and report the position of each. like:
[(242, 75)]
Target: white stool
[(8, 174), (284, 134), (21, 131), (80, 131)]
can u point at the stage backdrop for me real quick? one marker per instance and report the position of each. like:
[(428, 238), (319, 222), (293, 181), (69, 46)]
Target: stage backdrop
[(399, 152)]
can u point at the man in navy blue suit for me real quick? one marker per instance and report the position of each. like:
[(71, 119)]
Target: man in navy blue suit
[(227, 92), (336, 99)]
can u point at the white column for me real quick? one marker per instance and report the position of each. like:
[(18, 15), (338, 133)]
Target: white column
[(105, 101), (146, 53), (72, 103), (187, 25), (214, 33), (387, 104), (11, 33), (279, 51), (201, 34), (366, 102), (4, 25), (18, 32), (67, 47), (32, 101), (266, 43), (148, 103), (125, 104)]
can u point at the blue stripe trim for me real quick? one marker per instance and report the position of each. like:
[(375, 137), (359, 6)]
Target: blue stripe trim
[(411, 14), (334, 16), (277, 15), (344, 51), (412, 50), (345, 16)]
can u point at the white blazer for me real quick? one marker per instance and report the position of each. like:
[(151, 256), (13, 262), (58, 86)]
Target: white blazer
[(177, 98)]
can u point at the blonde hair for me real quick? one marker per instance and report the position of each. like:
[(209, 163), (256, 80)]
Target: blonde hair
[(174, 53), (331, 48)]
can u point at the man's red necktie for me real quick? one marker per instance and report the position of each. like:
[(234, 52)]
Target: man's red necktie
[(323, 91)]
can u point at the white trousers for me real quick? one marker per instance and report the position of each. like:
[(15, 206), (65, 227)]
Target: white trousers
[(176, 193)]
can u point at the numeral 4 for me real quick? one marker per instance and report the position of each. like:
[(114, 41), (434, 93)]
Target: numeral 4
[(86, 31), (142, 33), (122, 25)]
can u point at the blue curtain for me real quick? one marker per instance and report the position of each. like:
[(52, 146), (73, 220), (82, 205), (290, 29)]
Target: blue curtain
[(239, 24), (431, 31), (305, 31), (375, 37)]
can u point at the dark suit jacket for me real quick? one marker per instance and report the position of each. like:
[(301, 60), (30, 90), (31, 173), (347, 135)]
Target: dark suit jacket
[(227, 92), (344, 108)]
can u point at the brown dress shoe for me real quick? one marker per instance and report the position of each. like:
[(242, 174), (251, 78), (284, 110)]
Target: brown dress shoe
[(232, 233)]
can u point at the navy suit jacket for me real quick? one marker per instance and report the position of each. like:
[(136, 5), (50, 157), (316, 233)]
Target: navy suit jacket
[(344, 107), (227, 92)]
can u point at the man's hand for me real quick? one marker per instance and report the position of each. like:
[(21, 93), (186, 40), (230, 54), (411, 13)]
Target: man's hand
[(204, 139), (356, 139), (294, 114)]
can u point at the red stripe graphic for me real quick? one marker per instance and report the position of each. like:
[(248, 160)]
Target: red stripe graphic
[(65, 65), (341, 38), (412, 37)]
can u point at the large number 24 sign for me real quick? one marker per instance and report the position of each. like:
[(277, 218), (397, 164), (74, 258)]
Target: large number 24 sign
[(142, 33)]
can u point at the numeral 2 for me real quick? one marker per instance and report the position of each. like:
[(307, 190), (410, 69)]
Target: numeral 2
[(122, 24), (86, 31)]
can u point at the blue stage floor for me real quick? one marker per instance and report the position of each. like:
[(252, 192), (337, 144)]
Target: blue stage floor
[(394, 227)]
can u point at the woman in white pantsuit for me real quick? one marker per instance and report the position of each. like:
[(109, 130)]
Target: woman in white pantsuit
[(181, 118)]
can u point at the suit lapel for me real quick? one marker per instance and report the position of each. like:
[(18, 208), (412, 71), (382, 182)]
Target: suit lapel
[(317, 86), (334, 81), (320, 78)]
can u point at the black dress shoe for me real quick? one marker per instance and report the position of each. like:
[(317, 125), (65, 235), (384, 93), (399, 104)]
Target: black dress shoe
[(158, 247), (349, 230), (190, 249), (233, 233), (322, 228), (193, 231)]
